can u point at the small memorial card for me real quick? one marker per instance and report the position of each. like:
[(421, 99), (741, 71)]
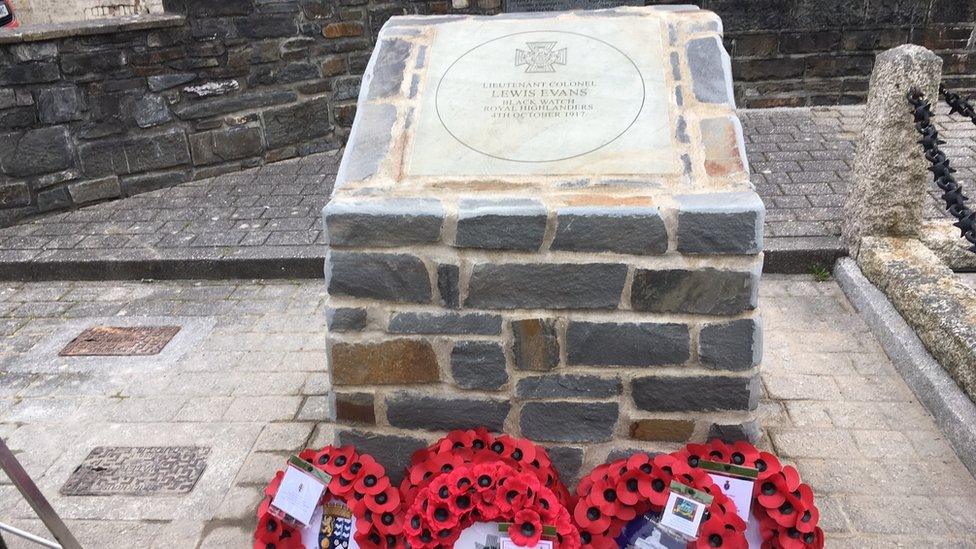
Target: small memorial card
[(646, 533), (684, 510), (300, 491), (735, 481)]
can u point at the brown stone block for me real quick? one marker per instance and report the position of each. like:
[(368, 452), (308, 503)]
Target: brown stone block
[(343, 29), (394, 362), (670, 430), (355, 407), (536, 344)]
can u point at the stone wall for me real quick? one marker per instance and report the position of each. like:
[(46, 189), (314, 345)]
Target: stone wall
[(115, 107)]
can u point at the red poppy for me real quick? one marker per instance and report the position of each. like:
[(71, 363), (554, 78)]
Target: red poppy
[(604, 497), (714, 534), (460, 480), (386, 501), (485, 476), (598, 541), (787, 513), (547, 505), (654, 487), (772, 491), (269, 528), (526, 529), (439, 491), (340, 459), (513, 492), (372, 478), (744, 454), (767, 464), (589, 518), (524, 452), (790, 538), (440, 517)]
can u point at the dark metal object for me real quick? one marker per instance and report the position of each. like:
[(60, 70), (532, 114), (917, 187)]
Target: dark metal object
[(941, 169), (958, 104), (19, 477), (120, 341), (138, 471)]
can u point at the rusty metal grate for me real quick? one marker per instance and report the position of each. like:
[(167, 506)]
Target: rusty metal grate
[(120, 341), (138, 471)]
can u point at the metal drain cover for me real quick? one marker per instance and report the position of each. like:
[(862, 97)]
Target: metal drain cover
[(138, 471), (120, 341)]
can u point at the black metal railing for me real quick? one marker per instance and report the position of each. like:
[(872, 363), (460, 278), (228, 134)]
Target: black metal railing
[(942, 171)]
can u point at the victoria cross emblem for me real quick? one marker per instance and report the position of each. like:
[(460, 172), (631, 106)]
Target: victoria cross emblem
[(541, 57)]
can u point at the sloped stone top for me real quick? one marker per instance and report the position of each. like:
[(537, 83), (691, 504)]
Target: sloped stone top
[(628, 102)]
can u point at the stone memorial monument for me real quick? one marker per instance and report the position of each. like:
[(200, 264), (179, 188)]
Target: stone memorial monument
[(543, 224)]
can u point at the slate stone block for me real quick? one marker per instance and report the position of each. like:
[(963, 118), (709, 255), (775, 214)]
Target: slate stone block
[(569, 421), (448, 278), (150, 110), (296, 123), (445, 323), (478, 365), (160, 82), (419, 411), (96, 62), (391, 451), (61, 104), (711, 70), (748, 431), (568, 386), (33, 51), (225, 145), (536, 344), (720, 223), (735, 345), (501, 224), (53, 199), (38, 151), (568, 461), (346, 319), (391, 362), (629, 230), (546, 286), (695, 393), (400, 278), (368, 142), (92, 190), (388, 68), (193, 110), (627, 344), (384, 222), (18, 117), (13, 195), (28, 73), (703, 291)]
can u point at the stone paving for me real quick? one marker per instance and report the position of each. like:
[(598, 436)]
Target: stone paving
[(265, 217), (245, 378)]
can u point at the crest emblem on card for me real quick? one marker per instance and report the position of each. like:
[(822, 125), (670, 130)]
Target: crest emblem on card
[(336, 526), (540, 57)]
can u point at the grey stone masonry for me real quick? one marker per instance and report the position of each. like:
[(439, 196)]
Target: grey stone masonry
[(563, 277)]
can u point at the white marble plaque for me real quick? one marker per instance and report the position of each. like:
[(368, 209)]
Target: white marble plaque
[(566, 95)]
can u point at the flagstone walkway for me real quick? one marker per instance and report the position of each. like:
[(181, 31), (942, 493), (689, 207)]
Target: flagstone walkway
[(264, 222), (244, 377)]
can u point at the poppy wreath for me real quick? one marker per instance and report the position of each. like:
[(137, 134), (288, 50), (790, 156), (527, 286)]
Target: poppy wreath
[(614, 494), (489, 491), (360, 483), (476, 446), (788, 517)]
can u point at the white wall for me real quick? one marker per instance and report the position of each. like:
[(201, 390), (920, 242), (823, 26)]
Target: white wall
[(58, 11)]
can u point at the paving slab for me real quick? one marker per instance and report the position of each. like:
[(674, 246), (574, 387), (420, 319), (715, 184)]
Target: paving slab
[(863, 451)]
